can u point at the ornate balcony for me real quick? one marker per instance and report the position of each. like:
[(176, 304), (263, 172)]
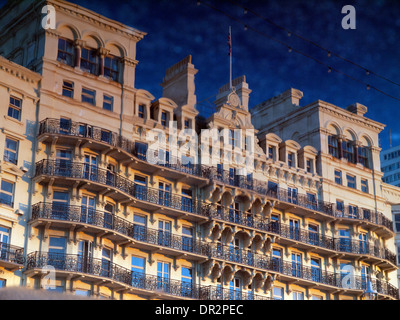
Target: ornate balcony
[(121, 230), (50, 128), (120, 148), (303, 275), (113, 275), (305, 239), (298, 203), (120, 278), (11, 257), (102, 181)]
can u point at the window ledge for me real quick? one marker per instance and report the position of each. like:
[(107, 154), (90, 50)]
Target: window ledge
[(13, 120)]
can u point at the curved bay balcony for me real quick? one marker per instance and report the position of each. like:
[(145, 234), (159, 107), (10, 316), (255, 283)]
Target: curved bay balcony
[(302, 204), (122, 231), (123, 149), (11, 257), (119, 188), (304, 239), (294, 272), (120, 278), (120, 148)]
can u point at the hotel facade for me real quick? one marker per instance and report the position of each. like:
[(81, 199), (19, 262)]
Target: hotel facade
[(85, 210)]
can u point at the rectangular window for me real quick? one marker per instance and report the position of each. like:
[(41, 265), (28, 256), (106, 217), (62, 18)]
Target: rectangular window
[(309, 165), (66, 52), (186, 282), (141, 110), (187, 124), (111, 67), (2, 283), (338, 177), (291, 160), (292, 195), (11, 151), (298, 295), (339, 208), (108, 103), (397, 222), (363, 156), (277, 293), (7, 193), (364, 185), (14, 109), (141, 150), (333, 146), (351, 181), (348, 151), (271, 153), (89, 60), (164, 117), (163, 276), (68, 89), (89, 96)]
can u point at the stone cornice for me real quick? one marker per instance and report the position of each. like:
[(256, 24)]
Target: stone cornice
[(18, 71), (97, 20)]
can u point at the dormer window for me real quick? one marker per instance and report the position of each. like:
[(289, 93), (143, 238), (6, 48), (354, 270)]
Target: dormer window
[(291, 159), (141, 110), (164, 118), (271, 153)]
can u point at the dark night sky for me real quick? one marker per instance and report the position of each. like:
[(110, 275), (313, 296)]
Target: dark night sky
[(177, 28)]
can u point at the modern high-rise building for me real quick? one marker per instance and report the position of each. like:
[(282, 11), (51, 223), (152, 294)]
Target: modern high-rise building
[(110, 192)]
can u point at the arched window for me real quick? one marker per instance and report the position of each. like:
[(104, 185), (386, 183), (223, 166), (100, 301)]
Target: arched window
[(333, 146)]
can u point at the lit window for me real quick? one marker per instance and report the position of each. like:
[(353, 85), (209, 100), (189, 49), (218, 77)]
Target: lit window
[(108, 103), (14, 109), (11, 151), (89, 96), (68, 89)]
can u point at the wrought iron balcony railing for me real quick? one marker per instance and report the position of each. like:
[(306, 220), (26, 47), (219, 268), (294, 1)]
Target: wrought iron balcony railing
[(298, 270), (301, 235), (12, 254), (77, 129), (83, 130), (87, 215), (138, 280), (76, 170)]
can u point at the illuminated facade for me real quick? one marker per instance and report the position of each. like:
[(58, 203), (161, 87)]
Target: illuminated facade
[(81, 199)]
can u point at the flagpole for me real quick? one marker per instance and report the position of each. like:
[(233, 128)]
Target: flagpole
[(230, 59)]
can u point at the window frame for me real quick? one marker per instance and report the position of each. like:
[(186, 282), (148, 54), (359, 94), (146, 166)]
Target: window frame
[(86, 96), (7, 150), (16, 110)]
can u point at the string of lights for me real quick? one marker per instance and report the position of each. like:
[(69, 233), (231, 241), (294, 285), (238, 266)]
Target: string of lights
[(328, 51), (291, 49)]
